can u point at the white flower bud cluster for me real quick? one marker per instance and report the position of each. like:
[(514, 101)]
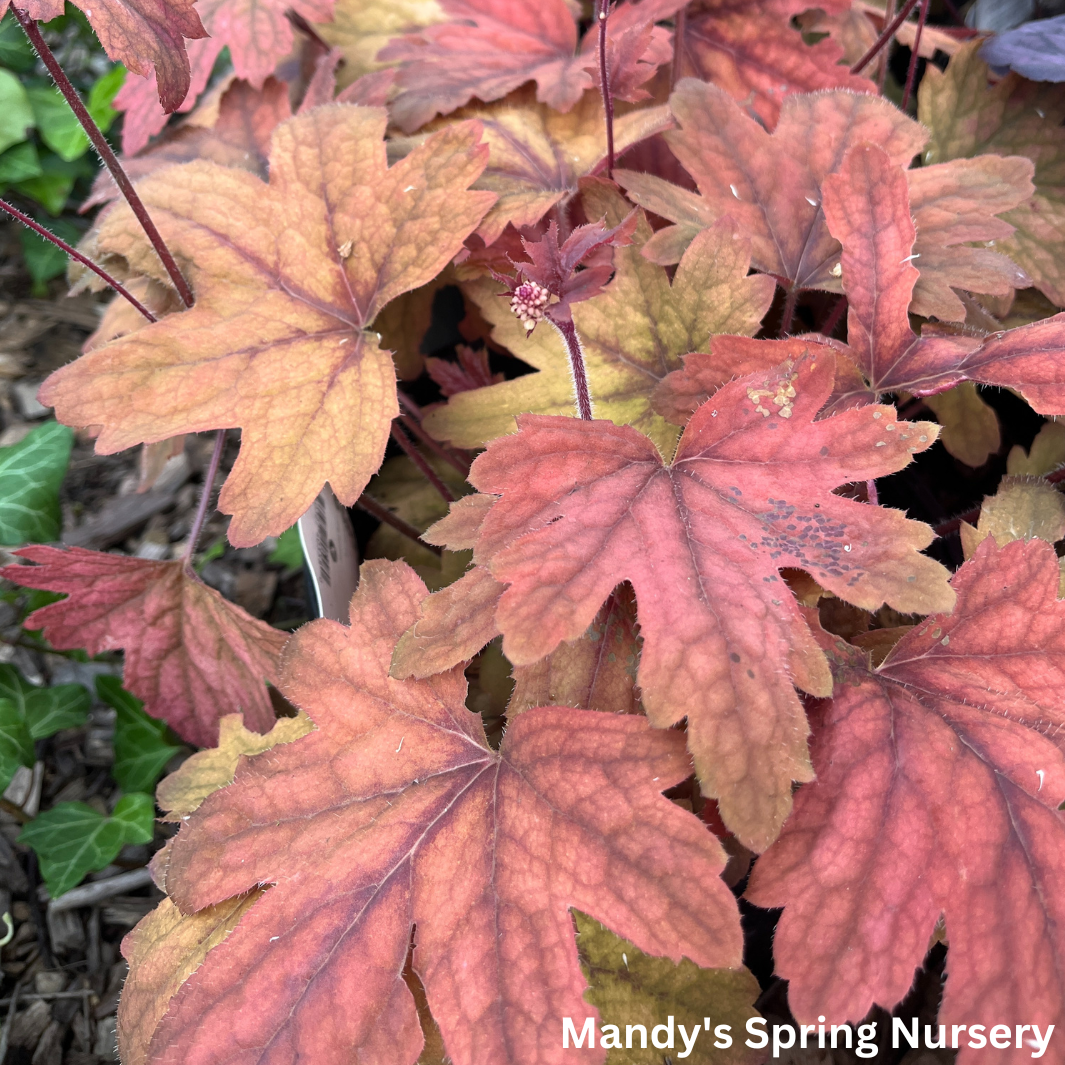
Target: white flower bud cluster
[(528, 303)]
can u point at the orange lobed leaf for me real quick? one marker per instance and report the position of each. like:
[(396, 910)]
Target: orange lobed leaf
[(736, 165), (191, 656), (143, 35), (749, 49), (491, 47), (278, 341), (163, 951), (587, 505), (939, 777), (232, 129), (867, 208), (258, 35), (394, 812), (537, 155)]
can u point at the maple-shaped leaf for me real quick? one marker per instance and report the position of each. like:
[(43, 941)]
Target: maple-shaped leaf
[(971, 115), (866, 206), (737, 166), (277, 342), (491, 47), (537, 156), (735, 163), (939, 777), (142, 35), (633, 334), (190, 655), (231, 128), (750, 49), (394, 811), (587, 505)]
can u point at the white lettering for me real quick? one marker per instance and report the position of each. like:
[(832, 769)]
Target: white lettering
[(587, 1032), (846, 1030), (899, 1028), (688, 1043), (629, 1029), (778, 1046), (976, 1031), (928, 1037), (1001, 1036), (1039, 1042), (611, 1032), (752, 1027), (668, 1029), (866, 1048), (723, 1038), (955, 1029)]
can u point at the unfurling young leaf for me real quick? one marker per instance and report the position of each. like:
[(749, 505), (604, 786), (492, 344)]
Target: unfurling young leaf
[(190, 655), (277, 341), (73, 839), (393, 812), (141, 747)]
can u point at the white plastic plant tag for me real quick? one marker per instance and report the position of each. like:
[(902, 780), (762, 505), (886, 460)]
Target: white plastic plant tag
[(330, 554)]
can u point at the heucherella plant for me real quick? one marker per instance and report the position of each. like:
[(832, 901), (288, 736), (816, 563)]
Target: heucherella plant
[(707, 661)]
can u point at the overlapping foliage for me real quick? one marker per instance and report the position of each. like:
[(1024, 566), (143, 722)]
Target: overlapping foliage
[(780, 261)]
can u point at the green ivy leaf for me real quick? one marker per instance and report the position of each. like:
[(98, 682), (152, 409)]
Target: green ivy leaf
[(58, 125), (16, 114), (45, 710), (43, 259), (289, 550), (16, 52), (55, 182), (16, 743), (142, 743), (19, 163), (30, 475), (73, 839)]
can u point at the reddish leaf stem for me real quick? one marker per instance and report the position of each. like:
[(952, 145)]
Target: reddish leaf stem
[(75, 254), (871, 493), (419, 460), (911, 73), (205, 498), (382, 513), (790, 302), (602, 13), (680, 25), (414, 426), (99, 142), (568, 331), (885, 37), (838, 311)]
